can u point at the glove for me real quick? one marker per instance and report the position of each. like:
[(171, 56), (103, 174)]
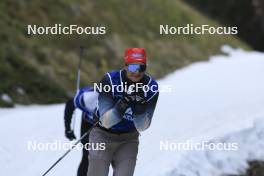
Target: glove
[(123, 104), (127, 99), (95, 118), (70, 135), (140, 107)]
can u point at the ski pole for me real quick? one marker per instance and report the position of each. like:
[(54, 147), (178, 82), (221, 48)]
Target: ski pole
[(78, 81), (79, 68), (68, 151)]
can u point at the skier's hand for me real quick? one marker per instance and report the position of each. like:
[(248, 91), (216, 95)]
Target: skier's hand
[(95, 118), (123, 104), (139, 102), (140, 107), (127, 99), (70, 135)]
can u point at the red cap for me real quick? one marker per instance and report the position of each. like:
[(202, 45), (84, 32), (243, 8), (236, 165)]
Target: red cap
[(135, 55)]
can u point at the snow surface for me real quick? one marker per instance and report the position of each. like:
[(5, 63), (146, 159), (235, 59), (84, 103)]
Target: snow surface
[(220, 100)]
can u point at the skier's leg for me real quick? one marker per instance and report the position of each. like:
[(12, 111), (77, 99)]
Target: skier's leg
[(125, 167), (83, 167), (100, 160), (98, 167), (125, 159)]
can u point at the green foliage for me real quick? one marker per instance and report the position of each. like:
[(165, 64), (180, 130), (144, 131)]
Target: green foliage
[(44, 66), (247, 15)]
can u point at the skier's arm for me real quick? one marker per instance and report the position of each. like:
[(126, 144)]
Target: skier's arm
[(143, 119), (68, 111), (86, 100), (110, 112)]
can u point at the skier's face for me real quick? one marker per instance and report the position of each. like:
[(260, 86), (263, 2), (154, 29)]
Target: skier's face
[(135, 71)]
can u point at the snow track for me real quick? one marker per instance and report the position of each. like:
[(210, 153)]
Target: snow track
[(219, 100)]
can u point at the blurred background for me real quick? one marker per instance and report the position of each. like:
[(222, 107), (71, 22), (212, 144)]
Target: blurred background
[(48, 63), (41, 69)]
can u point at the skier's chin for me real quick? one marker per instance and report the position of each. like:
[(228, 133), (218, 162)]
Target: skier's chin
[(135, 78)]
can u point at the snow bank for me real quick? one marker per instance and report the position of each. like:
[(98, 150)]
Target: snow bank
[(213, 163)]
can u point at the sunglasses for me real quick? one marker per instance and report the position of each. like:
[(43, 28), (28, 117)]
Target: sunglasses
[(136, 67)]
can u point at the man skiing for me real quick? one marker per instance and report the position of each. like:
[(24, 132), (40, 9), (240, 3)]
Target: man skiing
[(123, 112)]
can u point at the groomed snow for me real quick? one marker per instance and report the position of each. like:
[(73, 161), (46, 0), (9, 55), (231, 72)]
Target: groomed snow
[(220, 100)]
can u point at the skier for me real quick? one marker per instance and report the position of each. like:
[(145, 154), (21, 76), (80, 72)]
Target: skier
[(87, 122), (123, 113)]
